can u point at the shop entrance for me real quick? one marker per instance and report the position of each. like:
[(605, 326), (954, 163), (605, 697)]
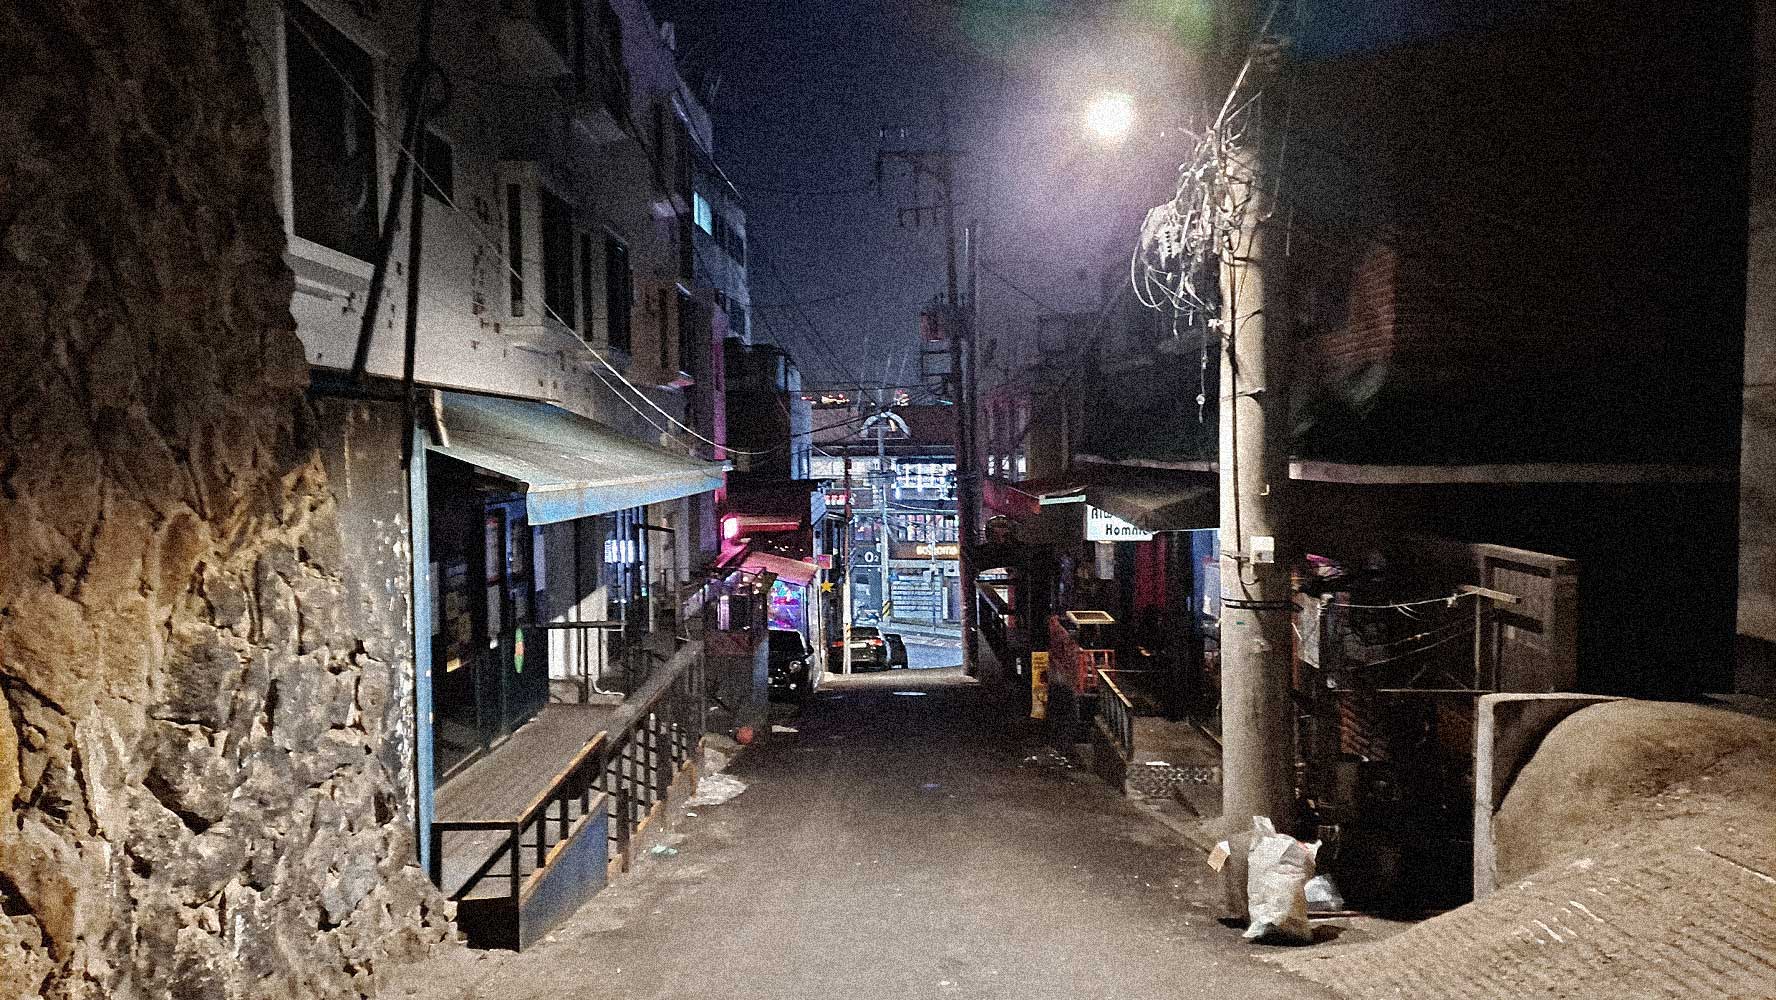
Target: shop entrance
[(490, 671)]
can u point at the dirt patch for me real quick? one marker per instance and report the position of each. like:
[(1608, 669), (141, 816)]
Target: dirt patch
[(1625, 773)]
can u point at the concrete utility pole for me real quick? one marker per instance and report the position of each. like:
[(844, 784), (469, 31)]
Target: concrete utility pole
[(846, 542), (1257, 715), (883, 481), (968, 465), (939, 164)]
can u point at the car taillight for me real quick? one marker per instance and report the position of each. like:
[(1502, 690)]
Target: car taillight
[(875, 642)]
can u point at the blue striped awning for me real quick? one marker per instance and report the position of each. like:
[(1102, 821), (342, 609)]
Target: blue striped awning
[(570, 467)]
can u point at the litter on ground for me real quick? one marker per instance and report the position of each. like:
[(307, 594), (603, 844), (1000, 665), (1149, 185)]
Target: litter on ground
[(715, 789)]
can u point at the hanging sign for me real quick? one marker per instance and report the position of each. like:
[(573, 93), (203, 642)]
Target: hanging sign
[(1103, 526)]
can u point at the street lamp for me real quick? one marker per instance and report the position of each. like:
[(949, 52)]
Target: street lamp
[(1109, 116)]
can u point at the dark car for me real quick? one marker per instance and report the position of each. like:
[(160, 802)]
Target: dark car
[(794, 673), (896, 649), (869, 651)]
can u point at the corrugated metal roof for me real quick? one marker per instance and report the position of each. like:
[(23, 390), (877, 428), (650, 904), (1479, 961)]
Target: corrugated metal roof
[(570, 467)]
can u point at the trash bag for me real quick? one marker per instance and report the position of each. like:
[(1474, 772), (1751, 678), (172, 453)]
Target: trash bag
[(1278, 868), (1323, 895)]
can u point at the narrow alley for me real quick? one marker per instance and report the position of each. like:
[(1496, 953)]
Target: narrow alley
[(900, 843)]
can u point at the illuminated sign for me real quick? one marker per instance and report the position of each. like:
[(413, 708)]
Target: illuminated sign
[(1103, 526), (923, 550)]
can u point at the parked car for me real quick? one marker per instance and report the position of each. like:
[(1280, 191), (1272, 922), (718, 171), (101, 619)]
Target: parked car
[(869, 651), (794, 672), (896, 649)]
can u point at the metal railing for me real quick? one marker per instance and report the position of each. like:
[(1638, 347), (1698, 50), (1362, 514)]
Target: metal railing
[(626, 770), (1071, 665), (588, 649), (1117, 713), (649, 746), (577, 781)]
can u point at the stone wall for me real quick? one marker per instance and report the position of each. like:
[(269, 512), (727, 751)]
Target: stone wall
[(194, 795)]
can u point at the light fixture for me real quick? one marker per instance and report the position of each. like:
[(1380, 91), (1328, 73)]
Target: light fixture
[(1109, 116)]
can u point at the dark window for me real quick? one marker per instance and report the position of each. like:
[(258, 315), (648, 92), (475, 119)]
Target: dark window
[(687, 327), (515, 244), (555, 19), (332, 136), (661, 307), (439, 162), (735, 245), (558, 267), (659, 146), (687, 249), (586, 283), (681, 162), (619, 292), (615, 70)]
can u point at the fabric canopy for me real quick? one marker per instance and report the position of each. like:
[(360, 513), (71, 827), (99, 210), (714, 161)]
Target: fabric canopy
[(788, 570), (570, 467)]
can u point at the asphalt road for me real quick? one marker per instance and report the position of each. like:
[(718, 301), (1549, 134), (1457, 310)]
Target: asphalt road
[(923, 654), (903, 842)]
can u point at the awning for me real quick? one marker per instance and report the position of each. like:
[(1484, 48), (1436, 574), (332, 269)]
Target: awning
[(1148, 499), (570, 467), (788, 570), (1161, 506)]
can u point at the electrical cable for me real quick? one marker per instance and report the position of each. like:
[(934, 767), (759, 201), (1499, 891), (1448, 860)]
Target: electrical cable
[(383, 126)]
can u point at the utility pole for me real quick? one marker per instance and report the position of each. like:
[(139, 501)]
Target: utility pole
[(848, 543), (1257, 713), (882, 483), (968, 471), (939, 164)]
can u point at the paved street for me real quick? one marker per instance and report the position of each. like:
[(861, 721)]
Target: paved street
[(924, 652), (904, 842)]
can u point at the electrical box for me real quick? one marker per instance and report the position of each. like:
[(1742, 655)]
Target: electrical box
[(1264, 549)]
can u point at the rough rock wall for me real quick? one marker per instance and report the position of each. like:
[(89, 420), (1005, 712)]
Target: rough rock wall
[(193, 796)]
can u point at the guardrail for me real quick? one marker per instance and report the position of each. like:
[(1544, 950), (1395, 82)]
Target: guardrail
[(1071, 665), (578, 780), (650, 745), (1117, 713), (626, 770)]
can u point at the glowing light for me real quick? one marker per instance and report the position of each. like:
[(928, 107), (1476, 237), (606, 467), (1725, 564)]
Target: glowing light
[(1110, 116), (730, 528)]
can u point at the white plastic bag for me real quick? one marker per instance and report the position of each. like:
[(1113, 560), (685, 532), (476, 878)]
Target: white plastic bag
[(1278, 868)]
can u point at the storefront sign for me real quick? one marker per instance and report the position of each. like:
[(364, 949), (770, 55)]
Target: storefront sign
[(923, 550), (1103, 526), (1038, 684)]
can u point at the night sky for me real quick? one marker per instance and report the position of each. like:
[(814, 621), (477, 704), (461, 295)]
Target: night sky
[(802, 91)]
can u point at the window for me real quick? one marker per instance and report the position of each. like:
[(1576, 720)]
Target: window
[(619, 292), (734, 242), (586, 284), (687, 326), (737, 321), (687, 250), (515, 244), (661, 304), (681, 159), (659, 137), (333, 174), (558, 276), (702, 213), (438, 161), (556, 20)]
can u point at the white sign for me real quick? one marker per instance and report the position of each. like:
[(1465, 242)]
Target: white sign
[(1103, 526)]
